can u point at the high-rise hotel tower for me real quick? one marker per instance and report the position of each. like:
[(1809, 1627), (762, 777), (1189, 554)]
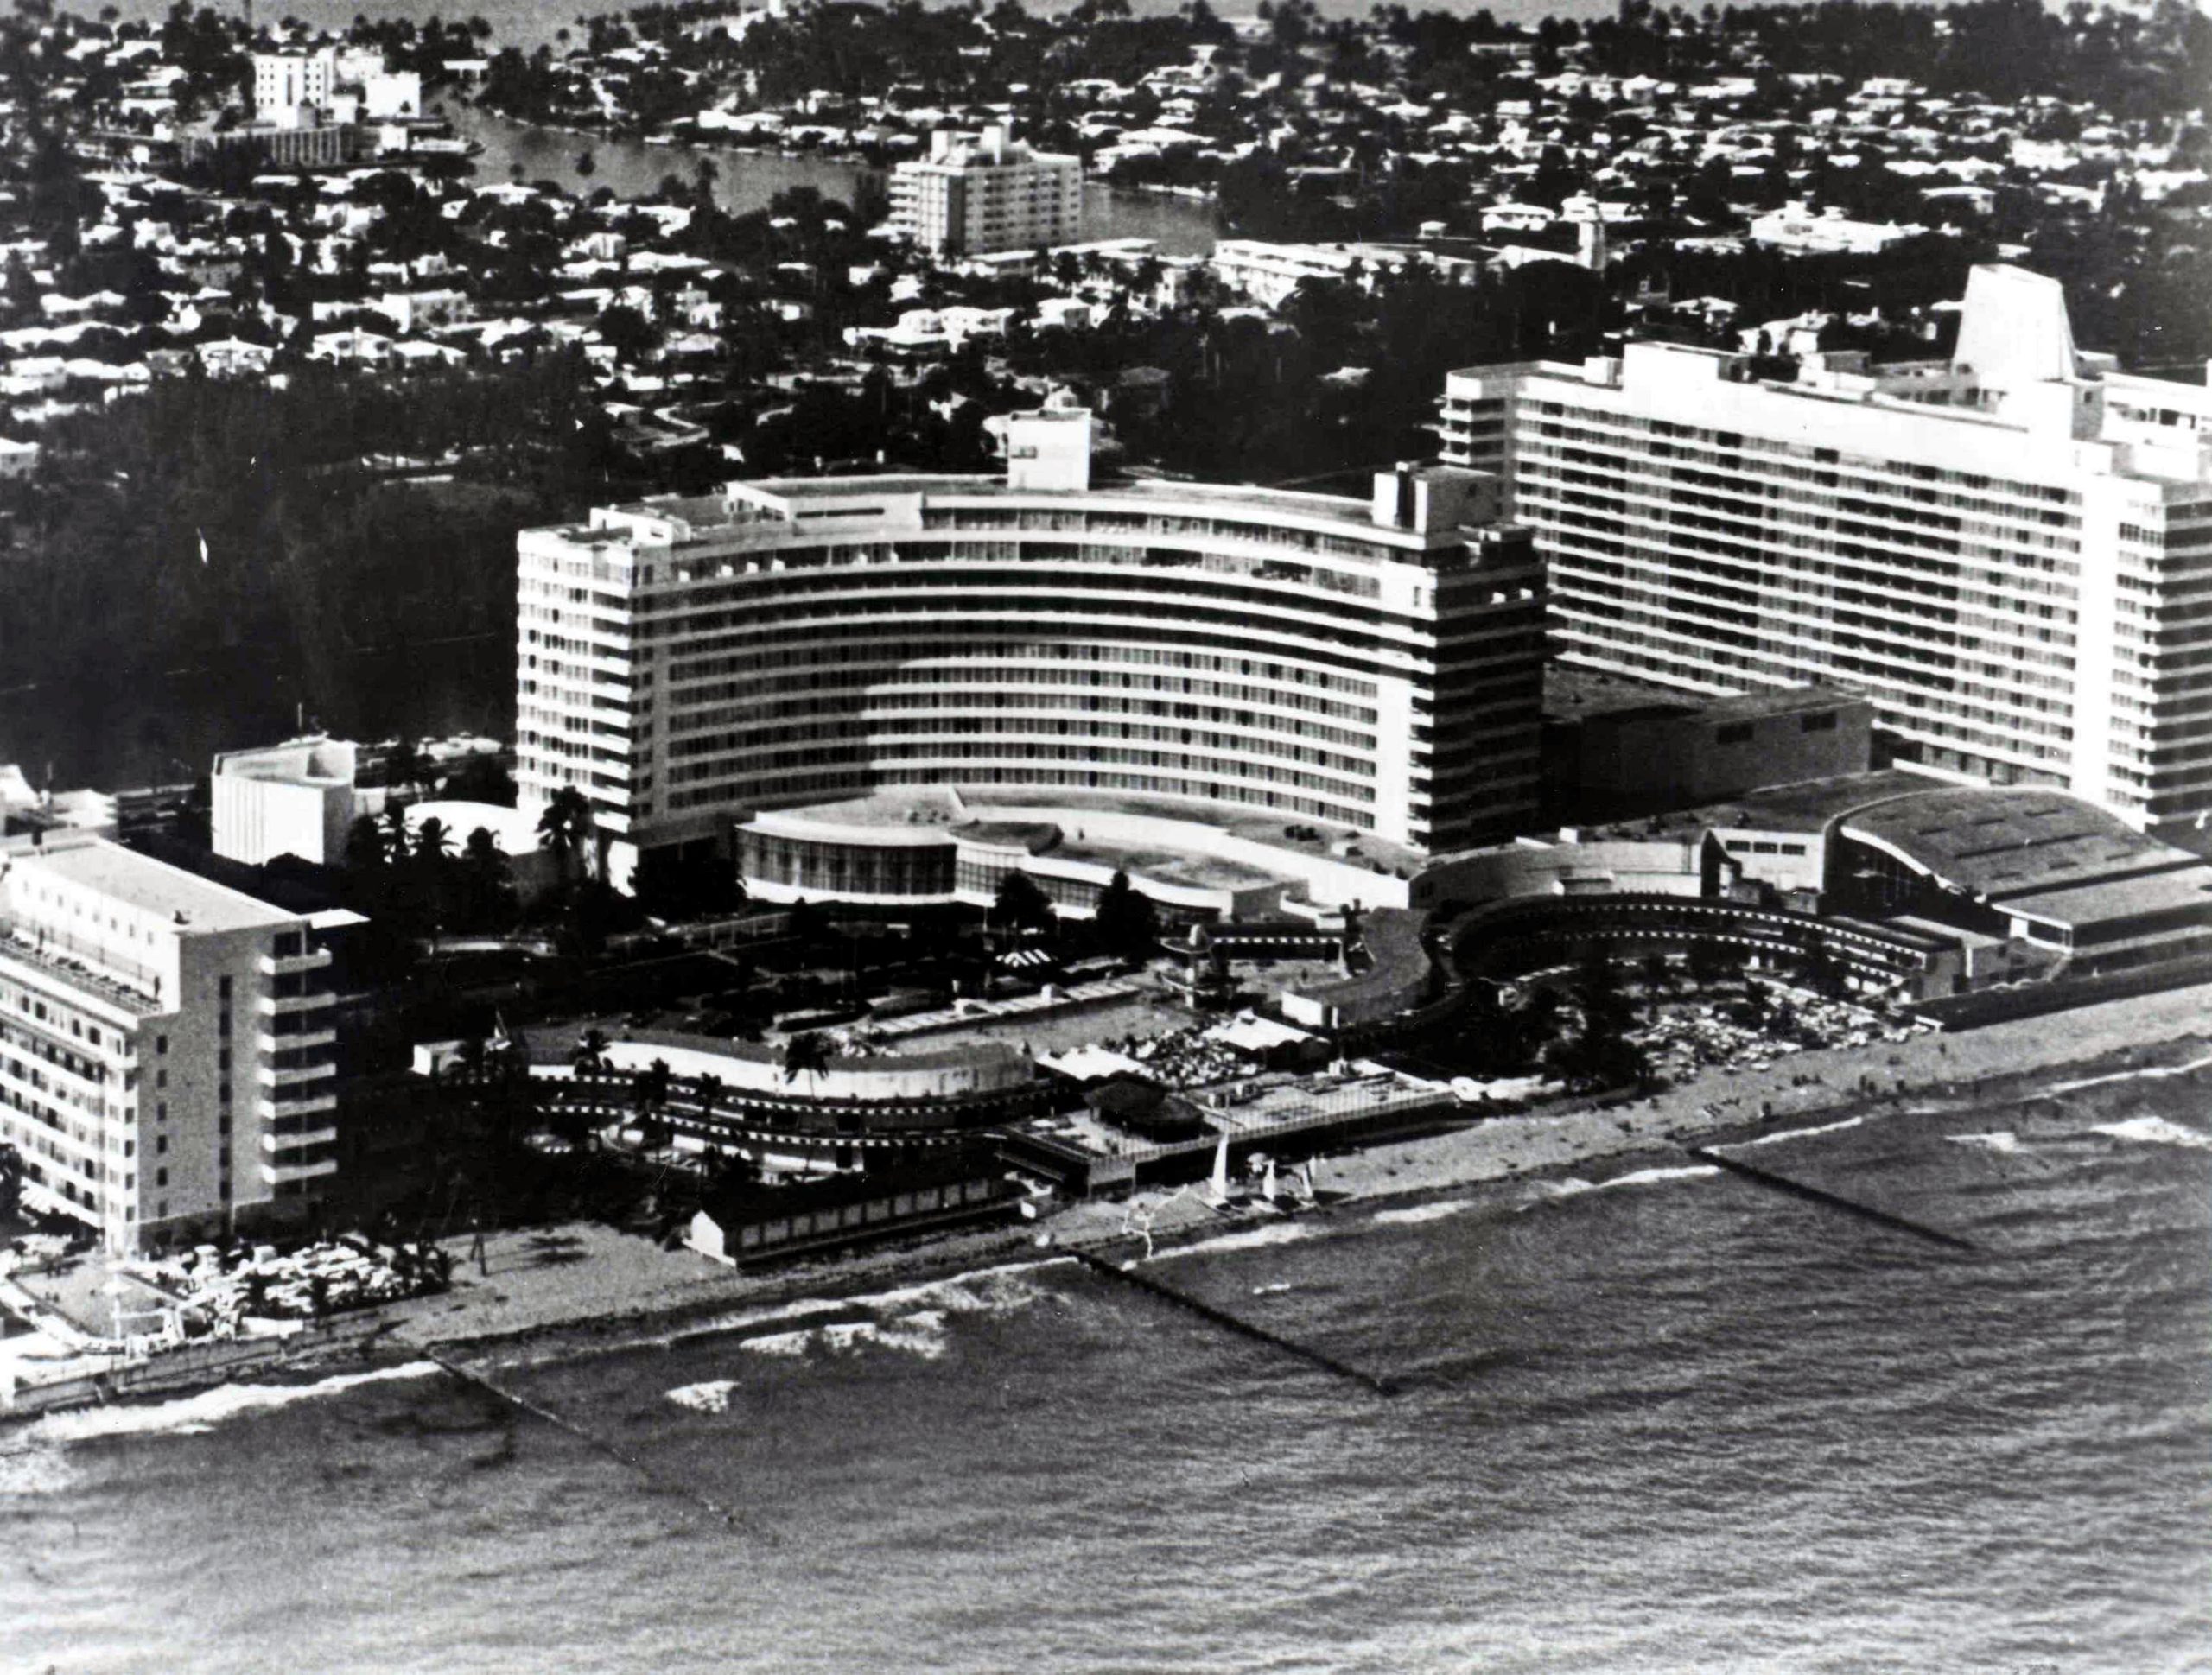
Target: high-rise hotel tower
[(2009, 552), (1371, 665)]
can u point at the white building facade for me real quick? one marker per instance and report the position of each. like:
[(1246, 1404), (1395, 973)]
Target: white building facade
[(167, 1065), (2009, 552), (687, 664), (283, 82), (979, 193), (297, 798)]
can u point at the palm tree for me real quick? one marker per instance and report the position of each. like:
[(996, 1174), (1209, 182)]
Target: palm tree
[(487, 871), (565, 829), (651, 1090), (707, 1093), (364, 846), (11, 1182), (432, 839), (805, 1054), (397, 846), (590, 1053), (406, 768)]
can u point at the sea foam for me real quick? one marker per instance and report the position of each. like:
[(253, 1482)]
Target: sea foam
[(891, 1319), (1274, 1233), (1574, 1186), (1798, 1133), (712, 1397), (2001, 1139), (2156, 1131), (191, 1415), (1414, 1215)]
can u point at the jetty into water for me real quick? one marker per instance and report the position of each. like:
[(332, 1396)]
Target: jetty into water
[(1221, 1317), (1834, 1201)]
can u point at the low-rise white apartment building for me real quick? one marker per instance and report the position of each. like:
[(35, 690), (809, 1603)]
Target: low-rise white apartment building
[(1799, 230), (1270, 273), (284, 81), (166, 1050), (2009, 552), (982, 192)]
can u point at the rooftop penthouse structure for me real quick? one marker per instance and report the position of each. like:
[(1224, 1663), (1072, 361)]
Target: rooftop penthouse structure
[(982, 191), (1225, 655), (2006, 552), (166, 1052)]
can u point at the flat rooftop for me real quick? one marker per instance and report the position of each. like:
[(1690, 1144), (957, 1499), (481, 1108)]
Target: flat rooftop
[(705, 516), (153, 886), (1573, 694), (1807, 806), (998, 813)]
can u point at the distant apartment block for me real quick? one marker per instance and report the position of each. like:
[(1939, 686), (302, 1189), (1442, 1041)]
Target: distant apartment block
[(291, 799), (166, 1050), (984, 192), (305, 87), (1799, 230), (2007, 553), (1240, 656), (1270, 273), (286, 81)]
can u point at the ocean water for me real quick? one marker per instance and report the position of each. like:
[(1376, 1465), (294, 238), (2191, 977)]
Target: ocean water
[(1658, 1419)]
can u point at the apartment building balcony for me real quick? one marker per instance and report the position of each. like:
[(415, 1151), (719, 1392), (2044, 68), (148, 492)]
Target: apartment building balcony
[(290, 965), (271, 1075), (290, 1174), (54, 955), (270, 1042), (307, 1105), (274, 1145), (278, 1005)]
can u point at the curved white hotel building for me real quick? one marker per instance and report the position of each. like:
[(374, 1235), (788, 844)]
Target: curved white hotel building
[(1361, 676), (2009, 552)]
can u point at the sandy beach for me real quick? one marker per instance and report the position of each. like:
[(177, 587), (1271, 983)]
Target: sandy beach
[(544, 1291)]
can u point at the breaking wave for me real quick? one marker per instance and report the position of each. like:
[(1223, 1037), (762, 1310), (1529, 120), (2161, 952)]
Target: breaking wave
[(2002, 1139), (2156, 1131), (1574, 1186), (910, 1320), (1414, 1215), (1798, 1133), (189, 1416), (1274, 1233)]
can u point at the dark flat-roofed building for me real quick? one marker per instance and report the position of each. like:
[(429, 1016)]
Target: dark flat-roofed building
[(747, 1222), (1614, 745)]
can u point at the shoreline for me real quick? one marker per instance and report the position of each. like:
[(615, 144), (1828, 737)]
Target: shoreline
[(590, 1289), (1943, 1073)]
